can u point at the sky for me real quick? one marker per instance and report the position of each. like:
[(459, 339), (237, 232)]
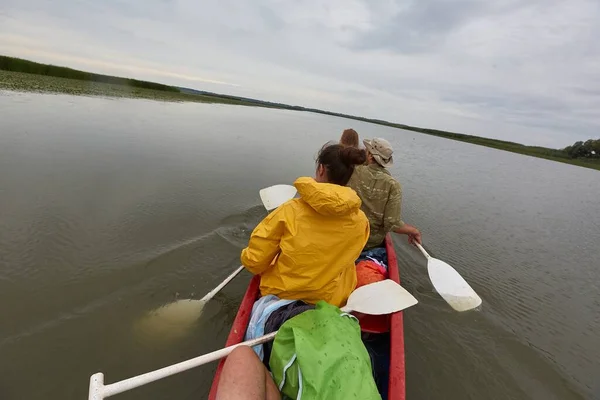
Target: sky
[(525, 71)]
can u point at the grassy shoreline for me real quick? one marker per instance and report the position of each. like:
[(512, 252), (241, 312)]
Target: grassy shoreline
[(123, 88), (25, 82)]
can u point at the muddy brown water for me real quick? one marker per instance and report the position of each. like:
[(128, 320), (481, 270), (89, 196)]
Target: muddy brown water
[(110, 208)]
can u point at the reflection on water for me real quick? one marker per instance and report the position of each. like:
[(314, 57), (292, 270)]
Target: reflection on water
[(112, 208)]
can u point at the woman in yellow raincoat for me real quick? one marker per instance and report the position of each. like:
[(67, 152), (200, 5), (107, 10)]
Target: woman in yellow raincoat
[(306, 248)]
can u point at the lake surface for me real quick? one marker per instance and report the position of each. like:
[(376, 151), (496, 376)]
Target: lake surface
[(110, 208)]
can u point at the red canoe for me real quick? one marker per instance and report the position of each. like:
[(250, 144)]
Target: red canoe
[(392, 324)]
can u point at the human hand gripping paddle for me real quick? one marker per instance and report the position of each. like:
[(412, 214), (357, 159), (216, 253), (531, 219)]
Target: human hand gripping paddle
[(450, 285), (384, 297), (175, 318)]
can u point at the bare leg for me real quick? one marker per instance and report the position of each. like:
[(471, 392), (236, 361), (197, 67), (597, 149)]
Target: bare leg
[(272, 391), (244, 377)]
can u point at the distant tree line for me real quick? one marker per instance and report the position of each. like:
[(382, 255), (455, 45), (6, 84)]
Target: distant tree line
[(30, 67), (588, 149)]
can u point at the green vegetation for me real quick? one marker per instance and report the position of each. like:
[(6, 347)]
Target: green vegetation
[(588, 150), (30, 67), (23, 75), (582, 158), (23, 82)]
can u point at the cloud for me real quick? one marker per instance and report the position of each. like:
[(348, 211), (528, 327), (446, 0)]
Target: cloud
[(420, 26), (522, 71)]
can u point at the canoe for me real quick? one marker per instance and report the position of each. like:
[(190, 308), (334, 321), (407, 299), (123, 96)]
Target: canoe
[(390, 333)]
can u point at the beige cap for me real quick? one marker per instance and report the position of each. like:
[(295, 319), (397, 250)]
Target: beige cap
[(381, 150)]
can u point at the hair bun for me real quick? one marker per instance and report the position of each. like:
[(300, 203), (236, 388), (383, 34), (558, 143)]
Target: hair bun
[(353, 156)]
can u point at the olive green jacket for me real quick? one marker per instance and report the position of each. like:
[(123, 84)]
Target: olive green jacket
[(381, 197)]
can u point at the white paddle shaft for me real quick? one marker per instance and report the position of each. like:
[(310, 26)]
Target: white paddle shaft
[(423, 250), (216, 290), (98, 391), (384, 297)]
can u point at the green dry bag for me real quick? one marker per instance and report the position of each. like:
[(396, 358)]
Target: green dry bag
[(319, 354)]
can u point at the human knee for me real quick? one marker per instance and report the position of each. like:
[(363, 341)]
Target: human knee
[(241, 354)]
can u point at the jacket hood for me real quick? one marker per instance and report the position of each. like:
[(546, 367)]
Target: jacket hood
[(327, 198)]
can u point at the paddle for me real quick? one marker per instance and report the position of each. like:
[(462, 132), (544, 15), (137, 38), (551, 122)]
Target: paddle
[(274, 196), (173, 319), (450, 285), (384, 297)]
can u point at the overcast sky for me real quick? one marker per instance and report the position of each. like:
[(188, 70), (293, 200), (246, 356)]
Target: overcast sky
[(523, 70)]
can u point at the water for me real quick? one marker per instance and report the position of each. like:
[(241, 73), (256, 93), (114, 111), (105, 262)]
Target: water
[(110, 208)]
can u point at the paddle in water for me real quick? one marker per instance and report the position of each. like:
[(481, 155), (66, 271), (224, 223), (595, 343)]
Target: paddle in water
[(384, 297), (450, 285), (174, 320)]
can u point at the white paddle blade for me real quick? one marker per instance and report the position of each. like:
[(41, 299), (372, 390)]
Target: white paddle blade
[(383, 297), (171, 321), (451, 286), (274, 196)]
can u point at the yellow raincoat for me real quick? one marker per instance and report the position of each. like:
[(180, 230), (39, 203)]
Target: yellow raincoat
[(306, 248)]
